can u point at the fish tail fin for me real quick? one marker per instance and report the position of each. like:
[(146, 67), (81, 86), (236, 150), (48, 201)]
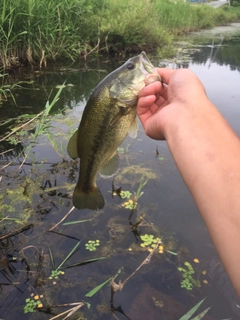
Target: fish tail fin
[(88, 200)]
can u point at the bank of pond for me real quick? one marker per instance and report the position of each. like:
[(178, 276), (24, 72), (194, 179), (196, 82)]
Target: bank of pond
[(37, 33)]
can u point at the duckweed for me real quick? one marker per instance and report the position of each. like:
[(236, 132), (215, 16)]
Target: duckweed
[(92, 245)]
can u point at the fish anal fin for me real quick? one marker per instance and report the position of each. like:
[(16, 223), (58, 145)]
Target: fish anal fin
[(72, 146), (88, 200), (133, 129), (111, 167)]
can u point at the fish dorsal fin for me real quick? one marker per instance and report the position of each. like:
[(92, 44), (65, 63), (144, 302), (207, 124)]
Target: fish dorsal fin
[(72, 146), (133, 129), (111, 167)]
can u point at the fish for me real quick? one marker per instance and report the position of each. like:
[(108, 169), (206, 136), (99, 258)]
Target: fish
[(109, 115)]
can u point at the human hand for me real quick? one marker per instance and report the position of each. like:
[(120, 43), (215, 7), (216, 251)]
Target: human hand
[(161, 106)]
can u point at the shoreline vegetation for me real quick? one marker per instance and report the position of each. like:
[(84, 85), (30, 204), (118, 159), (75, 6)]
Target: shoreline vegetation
[(34, 33)]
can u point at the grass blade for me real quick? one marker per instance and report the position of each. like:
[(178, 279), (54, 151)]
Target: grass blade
[(201, 315), (171, 252), (96, 289), (84, 262), (51, 257), (69, 255), (188, 315), (75, 222)]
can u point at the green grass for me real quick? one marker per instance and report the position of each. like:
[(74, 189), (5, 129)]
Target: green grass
[(40, 31)]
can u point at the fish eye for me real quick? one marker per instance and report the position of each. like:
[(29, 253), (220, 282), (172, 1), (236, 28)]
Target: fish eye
[(130, 66)]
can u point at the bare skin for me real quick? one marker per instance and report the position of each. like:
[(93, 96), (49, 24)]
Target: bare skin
[(206, 151)]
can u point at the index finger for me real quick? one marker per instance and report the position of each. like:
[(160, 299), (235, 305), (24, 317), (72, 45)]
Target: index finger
[(165, 74), (151, 89)]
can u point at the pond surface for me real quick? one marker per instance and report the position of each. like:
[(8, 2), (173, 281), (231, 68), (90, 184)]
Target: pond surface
[(38, 195)]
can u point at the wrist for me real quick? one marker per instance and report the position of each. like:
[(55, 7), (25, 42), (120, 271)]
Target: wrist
[(182, 119)]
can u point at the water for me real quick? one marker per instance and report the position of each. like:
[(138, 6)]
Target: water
[(168, 211)]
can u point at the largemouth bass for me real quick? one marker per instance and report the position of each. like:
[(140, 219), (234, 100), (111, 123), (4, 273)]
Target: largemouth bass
[(109, 115)]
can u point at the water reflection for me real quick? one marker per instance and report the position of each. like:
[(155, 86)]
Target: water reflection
[(219, 70), (220, 51)]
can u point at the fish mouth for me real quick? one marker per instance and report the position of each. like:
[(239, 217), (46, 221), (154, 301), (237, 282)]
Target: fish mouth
[(150, 75), (145, 61), (148, 68)]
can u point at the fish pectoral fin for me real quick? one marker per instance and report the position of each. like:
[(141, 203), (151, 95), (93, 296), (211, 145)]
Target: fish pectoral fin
[(122, 111), (110, 168), (72, 146), (133, 129)]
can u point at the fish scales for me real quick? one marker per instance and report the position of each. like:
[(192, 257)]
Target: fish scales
[(104, 141)]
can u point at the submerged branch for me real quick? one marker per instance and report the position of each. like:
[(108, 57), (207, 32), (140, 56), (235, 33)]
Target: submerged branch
[(115, 287), (62, 219), (69, 312), (14, 233), (20, 127)]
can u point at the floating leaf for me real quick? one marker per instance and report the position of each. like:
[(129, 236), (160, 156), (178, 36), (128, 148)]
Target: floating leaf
[(196, 260)]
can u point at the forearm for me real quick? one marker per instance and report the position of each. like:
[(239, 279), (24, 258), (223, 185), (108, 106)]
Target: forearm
[(207, 154)]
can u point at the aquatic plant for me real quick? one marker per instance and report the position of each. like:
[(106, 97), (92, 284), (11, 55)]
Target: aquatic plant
[(32, 304), (132, 202), (148, 241), (6, 89), (188, 282), (56, 272), (97, 288), (189, 314), (41, 128), (92, 245), (125, 194), (120, 150)]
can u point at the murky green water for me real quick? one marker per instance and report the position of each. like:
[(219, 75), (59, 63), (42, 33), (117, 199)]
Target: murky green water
[(39, 195)]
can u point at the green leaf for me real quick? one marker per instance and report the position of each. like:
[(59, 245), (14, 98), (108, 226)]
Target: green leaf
[(69, 255), (188, 315), (84, 262), (51, 257), (171, 252), (96, 289), (75, 222), (201, 315)]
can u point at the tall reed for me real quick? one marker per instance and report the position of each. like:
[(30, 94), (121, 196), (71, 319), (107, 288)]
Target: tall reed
[(46, 30)]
